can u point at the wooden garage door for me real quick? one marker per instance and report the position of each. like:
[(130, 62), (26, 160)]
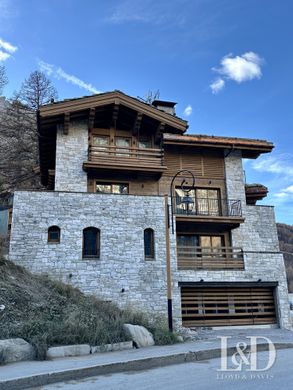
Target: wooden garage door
[(222, 306)]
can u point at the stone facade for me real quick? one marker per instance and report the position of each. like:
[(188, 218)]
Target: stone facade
[(122, 274), (71, 152), (121, 267)]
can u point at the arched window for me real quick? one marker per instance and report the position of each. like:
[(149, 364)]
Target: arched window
[(91, 242), (54, 234), (149, 244)]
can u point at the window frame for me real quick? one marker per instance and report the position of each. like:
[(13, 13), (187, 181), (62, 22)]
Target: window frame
[(98, 243), (111, 184), (58, 230), (151, 256)]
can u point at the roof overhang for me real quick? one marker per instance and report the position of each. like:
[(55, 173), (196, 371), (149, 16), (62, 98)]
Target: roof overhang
[(58, 109), (251, 148)]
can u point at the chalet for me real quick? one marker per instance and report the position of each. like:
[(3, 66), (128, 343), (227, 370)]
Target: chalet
[(139, 213)]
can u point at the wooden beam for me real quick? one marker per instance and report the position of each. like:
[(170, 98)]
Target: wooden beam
[(159, 131), (92, 114), (137, 123), (66, 123), (110, 98), (115, 114)]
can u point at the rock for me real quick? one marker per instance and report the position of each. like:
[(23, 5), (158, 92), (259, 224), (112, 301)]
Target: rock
[(139, 334), (68, 350), (15, 350), (180, 339)]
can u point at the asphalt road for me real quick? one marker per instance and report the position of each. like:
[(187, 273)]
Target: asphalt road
[(198, 376)]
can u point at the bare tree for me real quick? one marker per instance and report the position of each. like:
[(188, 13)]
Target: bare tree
[(3, 78), (36, 90), (19, 157), (150, 96)]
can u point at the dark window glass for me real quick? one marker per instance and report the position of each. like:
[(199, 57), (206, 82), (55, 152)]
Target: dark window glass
[(144, 142), (149, 244), (91, 242), (54, 234), (112, 188)]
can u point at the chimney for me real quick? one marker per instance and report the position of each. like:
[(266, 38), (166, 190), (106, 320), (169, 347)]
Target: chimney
[(168, 107)]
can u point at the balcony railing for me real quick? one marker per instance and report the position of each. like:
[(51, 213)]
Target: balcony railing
[(112, 154), (196, 258), (207, 207)]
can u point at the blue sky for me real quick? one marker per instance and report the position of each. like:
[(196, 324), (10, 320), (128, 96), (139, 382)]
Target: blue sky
[(228, 64)]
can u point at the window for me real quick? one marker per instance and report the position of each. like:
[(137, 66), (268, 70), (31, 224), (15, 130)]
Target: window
[(91, 242), (194, 245), (101, 144), (112, 188), (149, 244), (206, 201), (211, 245), (144, 142), (54, 234), (124, 146)]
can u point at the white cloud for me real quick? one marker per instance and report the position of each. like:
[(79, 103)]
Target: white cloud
[(4, 56), (239, 69), (281, 165), (285, 193), (59, 73), (6, 49), (188, 110), (7, 46), (217, 85)]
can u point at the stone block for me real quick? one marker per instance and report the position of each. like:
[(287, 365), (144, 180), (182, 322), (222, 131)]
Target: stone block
[(68, 350)]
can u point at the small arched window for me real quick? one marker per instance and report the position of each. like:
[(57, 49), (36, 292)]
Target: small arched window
[(91, 242), (149, 244), (54, 234)]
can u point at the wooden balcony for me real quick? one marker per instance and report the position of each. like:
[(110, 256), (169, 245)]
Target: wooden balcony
[(206, 210), (120, 158), (207, 258)]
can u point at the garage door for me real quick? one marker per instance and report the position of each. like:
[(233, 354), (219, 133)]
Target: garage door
[(222, 306)]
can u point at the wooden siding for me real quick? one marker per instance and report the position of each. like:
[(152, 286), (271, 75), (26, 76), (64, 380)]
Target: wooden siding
[(224, 306), (203, 164)]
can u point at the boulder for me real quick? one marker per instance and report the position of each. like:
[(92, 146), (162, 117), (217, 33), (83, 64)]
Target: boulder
[(15, 350), (139, 334)]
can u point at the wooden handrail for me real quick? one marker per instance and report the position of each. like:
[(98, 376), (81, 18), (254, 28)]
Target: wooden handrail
[(196, 257), (110, 153)]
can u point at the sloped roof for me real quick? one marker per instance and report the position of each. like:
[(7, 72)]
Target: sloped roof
[(114, 97), (251, 148)]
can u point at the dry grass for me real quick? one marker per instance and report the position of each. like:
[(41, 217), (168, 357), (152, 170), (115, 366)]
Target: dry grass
[(47, 313)]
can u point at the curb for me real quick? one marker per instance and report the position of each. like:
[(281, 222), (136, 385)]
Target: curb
[(132, 365)]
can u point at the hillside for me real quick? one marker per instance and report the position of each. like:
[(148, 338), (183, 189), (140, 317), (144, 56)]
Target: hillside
[(285, 233), (46, 313)]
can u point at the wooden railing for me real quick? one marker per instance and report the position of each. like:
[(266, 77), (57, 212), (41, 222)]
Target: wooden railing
[(126, 155), (196, 257), (209, 207)]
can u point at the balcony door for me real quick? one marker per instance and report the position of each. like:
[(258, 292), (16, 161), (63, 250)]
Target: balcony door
[(207, 201)]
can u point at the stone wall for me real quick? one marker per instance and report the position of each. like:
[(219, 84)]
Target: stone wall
[(258, 238), (122, 266), (71, 152)]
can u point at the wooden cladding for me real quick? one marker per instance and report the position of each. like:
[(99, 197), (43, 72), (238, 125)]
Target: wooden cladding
[(222, 306), (203, 164), (217, 258)]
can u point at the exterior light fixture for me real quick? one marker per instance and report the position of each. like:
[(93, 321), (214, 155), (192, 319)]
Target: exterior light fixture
[(186, 188), (187, 202)]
